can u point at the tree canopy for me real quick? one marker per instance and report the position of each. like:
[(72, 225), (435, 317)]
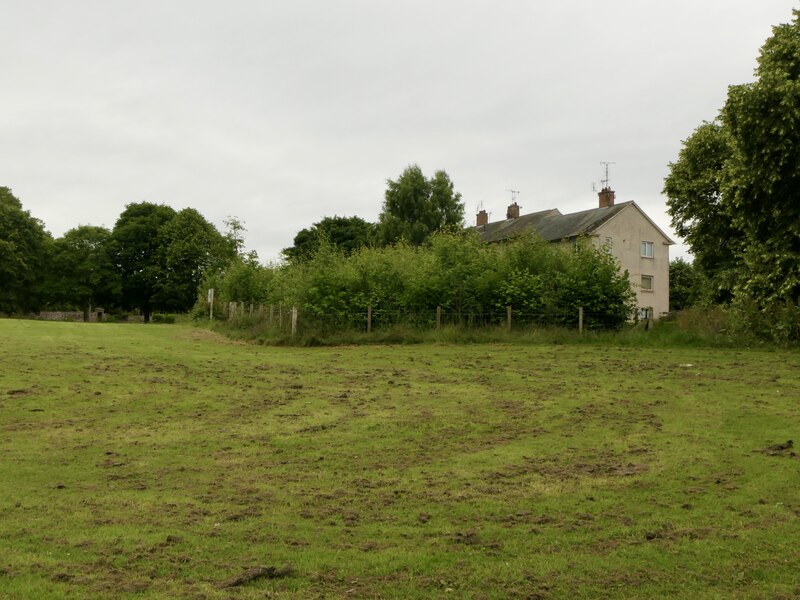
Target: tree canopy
[(189, 246), (344, 233), (24, 253), (415, 207), (136, 252), (82, 270), (733, 192)]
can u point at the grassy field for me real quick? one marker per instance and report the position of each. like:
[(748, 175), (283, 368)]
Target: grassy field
[(166, 462)]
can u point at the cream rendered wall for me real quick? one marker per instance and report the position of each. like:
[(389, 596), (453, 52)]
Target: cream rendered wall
[(627, 230)]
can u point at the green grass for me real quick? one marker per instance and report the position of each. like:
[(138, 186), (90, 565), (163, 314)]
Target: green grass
[(162, 461)]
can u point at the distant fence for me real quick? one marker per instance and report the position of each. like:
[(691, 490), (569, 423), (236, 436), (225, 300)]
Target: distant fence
[(293, 320)]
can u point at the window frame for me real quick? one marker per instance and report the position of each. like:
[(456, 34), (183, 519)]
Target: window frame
[(652, 283), (645, 246)]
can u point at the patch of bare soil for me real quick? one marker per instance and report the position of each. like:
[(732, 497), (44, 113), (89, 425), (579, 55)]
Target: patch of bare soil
[(564, 468), (206, 335), (254, 573), (784, 449), (19, 392)]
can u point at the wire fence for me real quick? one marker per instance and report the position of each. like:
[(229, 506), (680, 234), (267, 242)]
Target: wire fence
[(294, 320)]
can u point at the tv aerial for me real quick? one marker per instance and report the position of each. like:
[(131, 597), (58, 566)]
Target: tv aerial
[(606, 179), (513, 194)]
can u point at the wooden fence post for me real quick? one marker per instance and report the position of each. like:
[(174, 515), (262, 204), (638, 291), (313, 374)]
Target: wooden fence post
[(580, 320), (294, 320), (271, 313), (508, 317), (369, 319), (438, 317)]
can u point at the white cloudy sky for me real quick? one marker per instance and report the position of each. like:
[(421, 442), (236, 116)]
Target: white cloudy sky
[(282, 113)]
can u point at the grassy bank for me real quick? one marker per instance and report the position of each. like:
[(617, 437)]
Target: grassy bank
[(164, 461)]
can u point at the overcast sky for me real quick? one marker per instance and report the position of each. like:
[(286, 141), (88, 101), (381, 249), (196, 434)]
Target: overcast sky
[(282, 113)]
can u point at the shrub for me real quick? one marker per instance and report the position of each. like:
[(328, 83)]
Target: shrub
[(162, 318)]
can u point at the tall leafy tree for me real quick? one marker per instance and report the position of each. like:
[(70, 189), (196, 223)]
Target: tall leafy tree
[(136, 243), (344, 233), (686, 285), (735, 190), (762, 178), (24, 253), (189, 247), (415, 207), (83, 272), (700, 213)]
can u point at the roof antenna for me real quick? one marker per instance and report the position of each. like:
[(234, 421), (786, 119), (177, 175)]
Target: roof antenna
[(606, 179), (513, 195)]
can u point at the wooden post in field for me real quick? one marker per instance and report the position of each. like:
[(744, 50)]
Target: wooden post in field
[(369, 319), (438, 317), (580, 320), (294, 320), (508, 317), (210, 304), (271, 313), (251, 309), (280, 316)]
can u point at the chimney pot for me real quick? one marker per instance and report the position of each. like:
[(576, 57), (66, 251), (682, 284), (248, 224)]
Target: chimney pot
[(513, 211), (606, 196)]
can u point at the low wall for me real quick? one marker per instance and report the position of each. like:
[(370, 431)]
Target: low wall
[(69, 315)]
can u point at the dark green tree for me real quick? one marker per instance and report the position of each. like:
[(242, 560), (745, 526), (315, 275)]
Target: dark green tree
[(24, 254), (762, 177), (699, 211), (136, 251), (82, 271), (344, 233), (686, 285), (415, 207), (734, 192), (188, 248)]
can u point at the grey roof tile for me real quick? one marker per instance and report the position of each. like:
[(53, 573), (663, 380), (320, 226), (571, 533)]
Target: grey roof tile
[(550, 224)]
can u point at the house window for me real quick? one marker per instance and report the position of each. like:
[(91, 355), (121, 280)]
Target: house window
[(647, 249), (608, 243), (647, 283)]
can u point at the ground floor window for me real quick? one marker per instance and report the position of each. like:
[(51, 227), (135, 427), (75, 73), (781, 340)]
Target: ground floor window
[(647, 283)]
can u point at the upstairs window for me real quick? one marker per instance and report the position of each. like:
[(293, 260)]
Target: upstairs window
[(647, 249)]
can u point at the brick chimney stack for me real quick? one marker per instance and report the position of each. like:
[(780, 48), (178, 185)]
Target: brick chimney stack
[(606, 196), (483, 218), (513, 211)]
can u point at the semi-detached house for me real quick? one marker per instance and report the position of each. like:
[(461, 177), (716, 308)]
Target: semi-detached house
[(623, 229)]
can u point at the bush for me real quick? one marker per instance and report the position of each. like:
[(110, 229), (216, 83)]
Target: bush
[(162, 318)]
